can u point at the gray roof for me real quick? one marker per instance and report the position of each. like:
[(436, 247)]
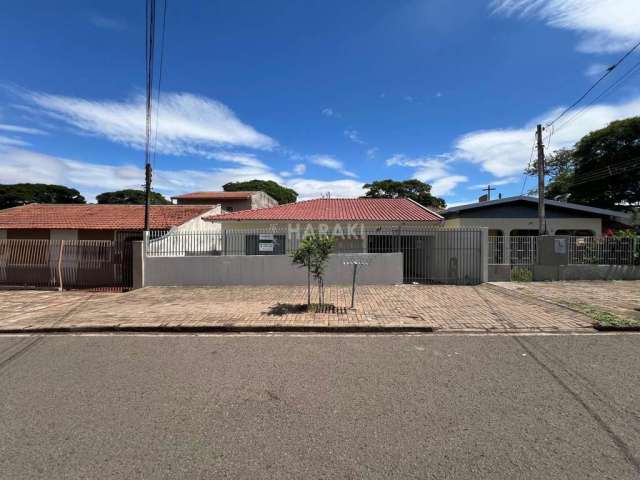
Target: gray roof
[(554, 203)]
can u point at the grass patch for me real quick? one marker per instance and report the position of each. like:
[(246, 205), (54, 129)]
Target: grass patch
[(521, 274), (605, 317)]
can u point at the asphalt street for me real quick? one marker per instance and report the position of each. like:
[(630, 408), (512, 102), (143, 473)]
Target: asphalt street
[(320, 406)]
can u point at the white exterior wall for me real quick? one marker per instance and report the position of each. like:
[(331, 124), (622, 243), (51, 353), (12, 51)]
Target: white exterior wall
[(63, 234), (506, 225), (353, 236), (262, 200), (180, 245)]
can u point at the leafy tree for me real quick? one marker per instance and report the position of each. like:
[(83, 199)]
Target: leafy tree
[(414, 189), (559, 166), (24, 193), (131, 197), (275, 190), (313, 253), (602, 170)]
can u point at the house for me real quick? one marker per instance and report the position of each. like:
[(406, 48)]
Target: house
[(349, 220), (518, 216), (229, 201), (97, 222), (361, 225)]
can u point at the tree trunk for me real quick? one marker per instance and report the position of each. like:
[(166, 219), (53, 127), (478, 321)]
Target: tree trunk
[(308, 286)]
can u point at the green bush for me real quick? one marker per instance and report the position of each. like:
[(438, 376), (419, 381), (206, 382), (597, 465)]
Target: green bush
[(521, 274)]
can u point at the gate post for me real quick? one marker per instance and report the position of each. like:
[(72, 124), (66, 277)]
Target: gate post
[(484, 254)]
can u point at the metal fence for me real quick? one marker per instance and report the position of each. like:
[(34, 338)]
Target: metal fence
[(522, 251), (507, 250), (66, 264), (604, 250), (437, 255)]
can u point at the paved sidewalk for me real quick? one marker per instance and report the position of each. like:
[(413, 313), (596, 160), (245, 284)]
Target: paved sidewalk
[(484, 308), (616, 296)]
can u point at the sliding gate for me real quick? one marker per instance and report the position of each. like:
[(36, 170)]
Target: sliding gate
[(444, 256)]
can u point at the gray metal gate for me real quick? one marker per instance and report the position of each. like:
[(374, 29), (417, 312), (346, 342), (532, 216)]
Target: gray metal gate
[(444, 256)]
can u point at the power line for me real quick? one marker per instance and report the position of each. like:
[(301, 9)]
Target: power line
[(526, 171), (602, 94), (164, 22), (605, 75), (607, 171), (150, 18)]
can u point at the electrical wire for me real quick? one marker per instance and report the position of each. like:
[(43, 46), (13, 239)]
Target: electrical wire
[(149, 48), (597, 82), (525, 173), (164, 23), (603, 94)]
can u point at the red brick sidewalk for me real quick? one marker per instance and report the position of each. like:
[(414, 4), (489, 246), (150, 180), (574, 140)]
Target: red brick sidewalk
[(484, 308)]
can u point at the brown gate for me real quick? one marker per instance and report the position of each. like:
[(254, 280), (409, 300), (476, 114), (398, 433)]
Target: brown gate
[(66, 264)]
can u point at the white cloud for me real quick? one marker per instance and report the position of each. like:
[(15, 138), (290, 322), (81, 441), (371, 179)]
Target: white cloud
[(330, 112), (438, 94), (19, 129), (433, 170), (309, 188), (372, 152), (496, 183), (354, 136), (505, 153), (21, 165), (604, 25), (332, 163), (596, 70), (188, 124), (445, 185), (245, 159), (297, 170), (11, 141)]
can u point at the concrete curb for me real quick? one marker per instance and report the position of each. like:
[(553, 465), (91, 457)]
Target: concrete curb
[(222, 329)]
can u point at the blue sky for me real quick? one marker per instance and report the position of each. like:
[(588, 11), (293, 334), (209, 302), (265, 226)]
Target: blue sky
[(320, 96)]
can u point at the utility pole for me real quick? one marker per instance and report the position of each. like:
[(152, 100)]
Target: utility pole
[(542, 228), (147, 194)]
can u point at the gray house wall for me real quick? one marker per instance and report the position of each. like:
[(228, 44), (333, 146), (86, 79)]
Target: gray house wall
[(382, 269)]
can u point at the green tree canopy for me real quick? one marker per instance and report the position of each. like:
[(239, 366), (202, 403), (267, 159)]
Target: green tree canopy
[(24, 193), (131, 197), (275, 190), (602, 170), (414, 189), (313, 253)]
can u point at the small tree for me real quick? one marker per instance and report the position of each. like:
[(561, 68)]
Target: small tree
[(313, 254)]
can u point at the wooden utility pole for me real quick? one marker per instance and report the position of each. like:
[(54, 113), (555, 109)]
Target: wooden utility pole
[(147, 194), (542, 227)]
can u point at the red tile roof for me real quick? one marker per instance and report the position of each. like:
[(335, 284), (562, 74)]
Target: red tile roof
[(214, 196), (351, 209), (97, 217)]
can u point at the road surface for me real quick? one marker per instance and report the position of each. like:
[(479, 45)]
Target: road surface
[(314, 406)]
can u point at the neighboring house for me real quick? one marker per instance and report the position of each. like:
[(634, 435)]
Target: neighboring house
[(98, 222), (229, 201), (518, 216), (359, 225)]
